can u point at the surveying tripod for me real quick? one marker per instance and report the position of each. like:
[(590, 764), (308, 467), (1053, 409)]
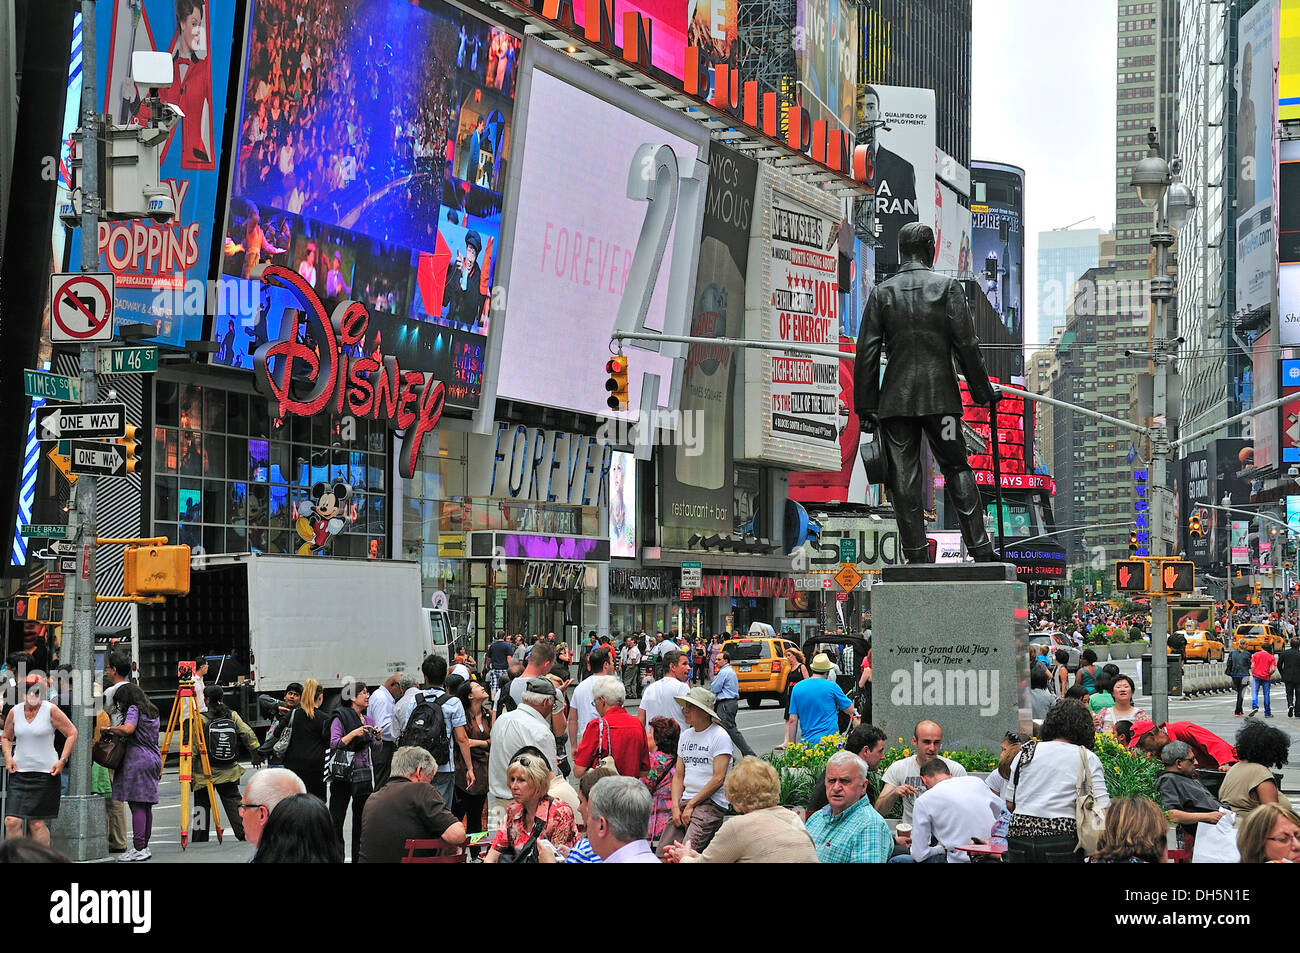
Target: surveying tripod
[(185, 710)]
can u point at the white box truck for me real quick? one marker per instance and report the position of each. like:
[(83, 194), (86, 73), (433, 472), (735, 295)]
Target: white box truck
[(275, 619)]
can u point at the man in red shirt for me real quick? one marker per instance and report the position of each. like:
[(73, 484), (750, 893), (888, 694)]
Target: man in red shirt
[(612, 733), (1211, 751), (1262, 665)]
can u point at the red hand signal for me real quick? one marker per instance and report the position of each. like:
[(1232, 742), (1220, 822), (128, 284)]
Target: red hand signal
[(1125, 574), (1171, 576)]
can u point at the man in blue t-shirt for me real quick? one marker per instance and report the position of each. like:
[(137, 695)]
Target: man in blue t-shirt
[(814, 705)]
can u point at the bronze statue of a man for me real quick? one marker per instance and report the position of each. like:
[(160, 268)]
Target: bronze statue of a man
[(922, 321)]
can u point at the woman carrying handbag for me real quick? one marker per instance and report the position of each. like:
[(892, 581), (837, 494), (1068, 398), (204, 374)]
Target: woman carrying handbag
[(349, 764)]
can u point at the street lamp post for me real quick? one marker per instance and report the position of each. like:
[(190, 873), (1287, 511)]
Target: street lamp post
[(1159, 188)]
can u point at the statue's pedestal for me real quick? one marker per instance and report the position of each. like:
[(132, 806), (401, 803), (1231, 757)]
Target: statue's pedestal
[(950, 644)]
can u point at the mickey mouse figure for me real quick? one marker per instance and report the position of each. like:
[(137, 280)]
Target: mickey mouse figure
[(320, 519)]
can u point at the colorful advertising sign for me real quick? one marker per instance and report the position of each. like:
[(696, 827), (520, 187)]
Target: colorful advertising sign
[(900, 162), (1012, 437), (161, 270), (1196, 488), (952, 234), (379, 179), (849, 483), (1290, 428), (792, 401), (697, 477), (337, 374), (1288, 73), (1265, 389), (1240, 543), (622, 505), (826, 52), (1255, 158), (575, 233), (998, 240)]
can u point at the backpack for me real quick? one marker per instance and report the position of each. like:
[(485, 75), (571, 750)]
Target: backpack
[(427, 727), (223, 742)]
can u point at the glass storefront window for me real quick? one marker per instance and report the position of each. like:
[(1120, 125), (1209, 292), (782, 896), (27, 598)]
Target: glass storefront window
[(241, 480)]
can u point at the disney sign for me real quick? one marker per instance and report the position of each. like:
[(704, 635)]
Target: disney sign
[(364, 385)]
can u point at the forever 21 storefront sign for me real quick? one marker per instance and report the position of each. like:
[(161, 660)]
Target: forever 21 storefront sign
[(370, 386)]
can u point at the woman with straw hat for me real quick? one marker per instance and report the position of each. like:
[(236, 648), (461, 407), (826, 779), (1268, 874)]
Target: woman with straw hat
[(704, 754)]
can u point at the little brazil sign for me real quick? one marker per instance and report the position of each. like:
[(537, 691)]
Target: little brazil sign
[(364, 385)]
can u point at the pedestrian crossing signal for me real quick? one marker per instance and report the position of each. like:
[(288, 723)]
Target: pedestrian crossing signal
[(1131, 576), (1176, 575), (616, 367)]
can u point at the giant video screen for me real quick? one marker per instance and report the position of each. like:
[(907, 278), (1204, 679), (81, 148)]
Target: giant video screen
[(373, 145)]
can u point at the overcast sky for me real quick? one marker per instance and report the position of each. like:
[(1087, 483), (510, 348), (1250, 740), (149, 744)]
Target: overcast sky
[(1043, 91)]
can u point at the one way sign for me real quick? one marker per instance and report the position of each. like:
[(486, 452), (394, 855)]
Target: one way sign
[(80, 420), (98, 459)]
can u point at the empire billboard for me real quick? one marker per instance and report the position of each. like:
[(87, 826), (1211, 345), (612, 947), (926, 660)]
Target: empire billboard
[(998, 240)]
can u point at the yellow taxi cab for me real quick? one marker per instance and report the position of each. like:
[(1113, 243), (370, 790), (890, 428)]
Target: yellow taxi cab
[(759, 660), (1203, 646), (1259, 635)]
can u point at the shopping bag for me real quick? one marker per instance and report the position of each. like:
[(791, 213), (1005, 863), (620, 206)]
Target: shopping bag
[(1217, 843)]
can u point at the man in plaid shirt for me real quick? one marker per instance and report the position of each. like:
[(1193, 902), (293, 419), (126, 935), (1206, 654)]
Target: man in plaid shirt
[(849, 830)]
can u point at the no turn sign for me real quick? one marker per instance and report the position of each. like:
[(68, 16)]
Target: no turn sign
[(81, 308)]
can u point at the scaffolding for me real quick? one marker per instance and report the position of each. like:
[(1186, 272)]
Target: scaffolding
[(767, 40)]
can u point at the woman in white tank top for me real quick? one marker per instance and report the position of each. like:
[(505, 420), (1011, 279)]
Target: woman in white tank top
[(32, 763)]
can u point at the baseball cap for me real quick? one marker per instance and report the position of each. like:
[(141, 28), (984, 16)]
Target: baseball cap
[(1140, 728)]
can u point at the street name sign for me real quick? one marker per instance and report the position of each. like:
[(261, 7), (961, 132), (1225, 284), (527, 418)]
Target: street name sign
[(51, 386), (86, 421), (128, 360), (45, 530), (98, 459)]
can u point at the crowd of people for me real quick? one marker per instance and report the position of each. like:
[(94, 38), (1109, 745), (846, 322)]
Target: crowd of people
[(547, 754)]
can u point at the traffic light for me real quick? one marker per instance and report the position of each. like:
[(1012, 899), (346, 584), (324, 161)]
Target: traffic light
[(132, 446), (616, 367), (1132, 542), (1131, 576), (1194, 527), (1176, 576), (156, 571)]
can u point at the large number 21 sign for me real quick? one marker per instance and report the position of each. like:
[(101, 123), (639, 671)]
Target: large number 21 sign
[(671, 189)]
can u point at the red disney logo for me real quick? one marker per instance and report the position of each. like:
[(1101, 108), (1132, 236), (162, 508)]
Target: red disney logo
[(368, 386)]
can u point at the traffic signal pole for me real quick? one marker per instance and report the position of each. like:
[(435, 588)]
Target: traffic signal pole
[(1162, 291), (80, 828)]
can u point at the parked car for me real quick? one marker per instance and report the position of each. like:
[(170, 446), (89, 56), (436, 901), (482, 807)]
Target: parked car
[(1258, 635)]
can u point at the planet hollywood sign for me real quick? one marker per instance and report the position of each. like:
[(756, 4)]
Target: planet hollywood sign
[(750, 587), (331, 376)]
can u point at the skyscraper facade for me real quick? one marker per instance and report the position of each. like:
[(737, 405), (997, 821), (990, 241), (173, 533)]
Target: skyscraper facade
[(1063, 255)]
